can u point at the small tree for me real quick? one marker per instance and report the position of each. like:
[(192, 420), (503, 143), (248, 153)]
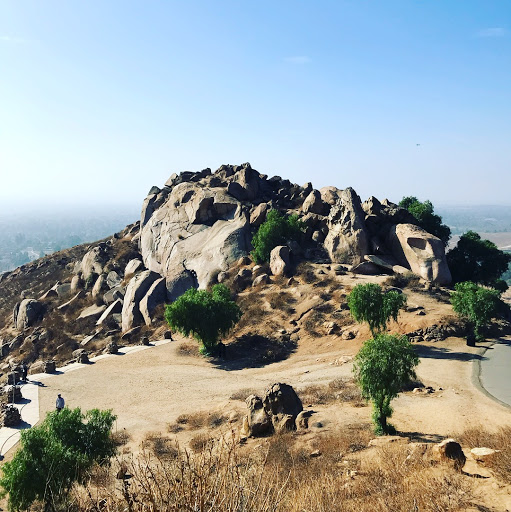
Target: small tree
[(427, 220), (477, 260), (204, 315), (55, 455), (382, 367), (275, 230), (476, 304), (368, 303)]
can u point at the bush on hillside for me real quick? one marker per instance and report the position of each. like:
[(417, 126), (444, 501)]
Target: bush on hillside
[(383, 366), (369, 303), (476, 304), (427, 220), (275, 230), (479, 261), (205, 315), (55, 455)]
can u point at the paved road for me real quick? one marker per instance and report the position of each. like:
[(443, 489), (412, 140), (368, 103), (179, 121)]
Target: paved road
[(496, 371)]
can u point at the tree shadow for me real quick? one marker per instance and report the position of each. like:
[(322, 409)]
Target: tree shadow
[(429, 351), (254, 351)]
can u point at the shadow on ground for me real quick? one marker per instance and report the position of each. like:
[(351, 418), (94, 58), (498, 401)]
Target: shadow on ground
[(430, 351), (421, 437), (254, 351)]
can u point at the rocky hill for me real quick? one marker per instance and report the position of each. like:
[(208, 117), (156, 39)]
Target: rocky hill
[(194, 231)]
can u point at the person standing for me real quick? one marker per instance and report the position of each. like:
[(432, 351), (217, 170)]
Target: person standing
[(60, 403), (24, 371)]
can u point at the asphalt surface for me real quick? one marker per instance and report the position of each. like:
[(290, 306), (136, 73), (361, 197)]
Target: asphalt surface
[(496, 371)]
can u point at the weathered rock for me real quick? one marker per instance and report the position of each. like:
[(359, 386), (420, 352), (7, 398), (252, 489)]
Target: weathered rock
[(50, 366), (49, 294), (282, 399), (258, 422), (92, 312), (11, 415), (262, 279), (112, 348), (27, 313), (279, 260), (76, 283), (133, 266), (99, 287), (483, 454), (138, 286), (94, 261), (423, 253), (114, 294), (12, 394), (313, 203), (347, 240), (115, 307), (450, 451), (283, 423), (76, 298), (385, 440), (205, 227), (63, 290), (113, 279), (367, 268), (302, 420), (155, 296), (258, 214), (131, 334)]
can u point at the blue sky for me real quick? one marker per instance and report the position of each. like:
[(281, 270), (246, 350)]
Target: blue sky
[(102, 99)]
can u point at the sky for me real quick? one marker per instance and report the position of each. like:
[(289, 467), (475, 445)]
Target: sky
[(100, 100)]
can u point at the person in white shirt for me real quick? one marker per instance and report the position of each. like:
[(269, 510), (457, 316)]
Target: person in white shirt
[(60, 403)]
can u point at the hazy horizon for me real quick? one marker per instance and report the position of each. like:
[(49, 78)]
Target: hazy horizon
[(106, 99)]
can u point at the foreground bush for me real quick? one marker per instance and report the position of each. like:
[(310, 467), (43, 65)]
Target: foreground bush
[(275, 230), (383, 366), (55, 455), (204, 315)]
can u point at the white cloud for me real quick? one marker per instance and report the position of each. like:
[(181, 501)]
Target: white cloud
[(298, 59), (492, 32)]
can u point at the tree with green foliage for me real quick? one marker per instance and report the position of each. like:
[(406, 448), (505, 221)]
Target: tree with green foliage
[(205, 315), (477, 260), (369, 303), (55, 455), (429, 221), (275, 230), (477, 304), (383, 366)]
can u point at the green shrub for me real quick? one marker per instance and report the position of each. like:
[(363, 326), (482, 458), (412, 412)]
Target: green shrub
[(476, 304), (275, 230), (383, 366), (55, 455), (427, 220), (369, 303), (204, 315), (479, 261)]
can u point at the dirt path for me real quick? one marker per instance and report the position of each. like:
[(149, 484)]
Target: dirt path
[(150, 389)]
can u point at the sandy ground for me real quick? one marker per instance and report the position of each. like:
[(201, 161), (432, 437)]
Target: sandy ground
[(149, 389)]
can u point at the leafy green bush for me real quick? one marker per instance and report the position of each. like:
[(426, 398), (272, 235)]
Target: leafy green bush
[(476, 304), (275, 230), (383, 366), (368, 303), (428, 220), (55, 455), (477, 260), (204, 315)]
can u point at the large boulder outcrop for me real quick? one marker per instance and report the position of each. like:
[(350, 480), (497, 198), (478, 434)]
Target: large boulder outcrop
[(279, 260), (27, 313), (137, 287), (422, 252), (196, 233), (155, 296), (347, 240)]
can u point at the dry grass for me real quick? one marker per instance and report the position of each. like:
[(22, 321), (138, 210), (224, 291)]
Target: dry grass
[(254, 311), (160, 445), (339, 390), (313, 323), (408, 280), (500, 463), (283, 475), (198, 420), (188, 348), (242, 394), (281, 301)]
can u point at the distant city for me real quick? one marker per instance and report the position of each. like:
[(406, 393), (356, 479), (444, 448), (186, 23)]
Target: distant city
[(26, 237)]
